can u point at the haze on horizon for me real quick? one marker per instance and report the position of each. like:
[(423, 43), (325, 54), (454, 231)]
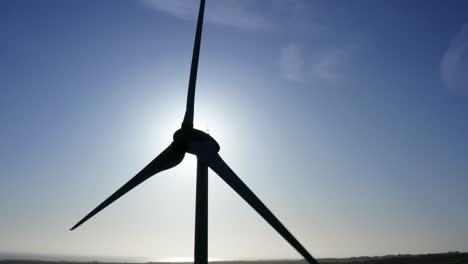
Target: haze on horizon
[(348, 119)]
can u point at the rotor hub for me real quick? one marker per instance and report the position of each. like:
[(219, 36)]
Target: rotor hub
[(185, 137)]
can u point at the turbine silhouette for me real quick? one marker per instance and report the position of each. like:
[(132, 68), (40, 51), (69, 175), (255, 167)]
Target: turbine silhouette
[(196, 142)]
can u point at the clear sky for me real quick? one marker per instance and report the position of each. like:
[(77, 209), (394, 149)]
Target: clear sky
[(347, 118)]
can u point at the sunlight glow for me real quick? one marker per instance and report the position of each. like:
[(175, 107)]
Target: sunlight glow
[(184, 259)]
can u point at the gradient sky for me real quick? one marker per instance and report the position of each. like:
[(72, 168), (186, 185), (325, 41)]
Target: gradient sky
[(347, 118)]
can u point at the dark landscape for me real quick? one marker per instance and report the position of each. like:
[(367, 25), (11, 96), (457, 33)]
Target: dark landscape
[(442, 258)]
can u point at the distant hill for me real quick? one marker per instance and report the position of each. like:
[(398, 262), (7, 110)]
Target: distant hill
[(442, 258)]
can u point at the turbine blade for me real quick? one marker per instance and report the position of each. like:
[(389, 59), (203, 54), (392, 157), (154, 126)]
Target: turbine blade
[(169, 158), (216, 163), (188, 118)]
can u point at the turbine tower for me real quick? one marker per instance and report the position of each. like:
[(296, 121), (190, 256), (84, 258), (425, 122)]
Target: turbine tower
[(190, 140)]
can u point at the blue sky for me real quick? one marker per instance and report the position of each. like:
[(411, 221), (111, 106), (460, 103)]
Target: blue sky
[(354, 111)]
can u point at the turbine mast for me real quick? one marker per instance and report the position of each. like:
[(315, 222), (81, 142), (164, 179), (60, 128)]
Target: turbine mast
[(188, 118)]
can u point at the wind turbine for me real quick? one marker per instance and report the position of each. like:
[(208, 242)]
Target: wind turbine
[(190, 140)]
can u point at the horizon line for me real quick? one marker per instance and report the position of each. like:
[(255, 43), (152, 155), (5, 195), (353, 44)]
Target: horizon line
[(81, 258)]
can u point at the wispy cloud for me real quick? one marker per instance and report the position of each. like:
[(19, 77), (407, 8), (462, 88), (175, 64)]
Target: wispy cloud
[(454, 65), (232, 13), (329, 65), (292, 63), (299, 66)]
